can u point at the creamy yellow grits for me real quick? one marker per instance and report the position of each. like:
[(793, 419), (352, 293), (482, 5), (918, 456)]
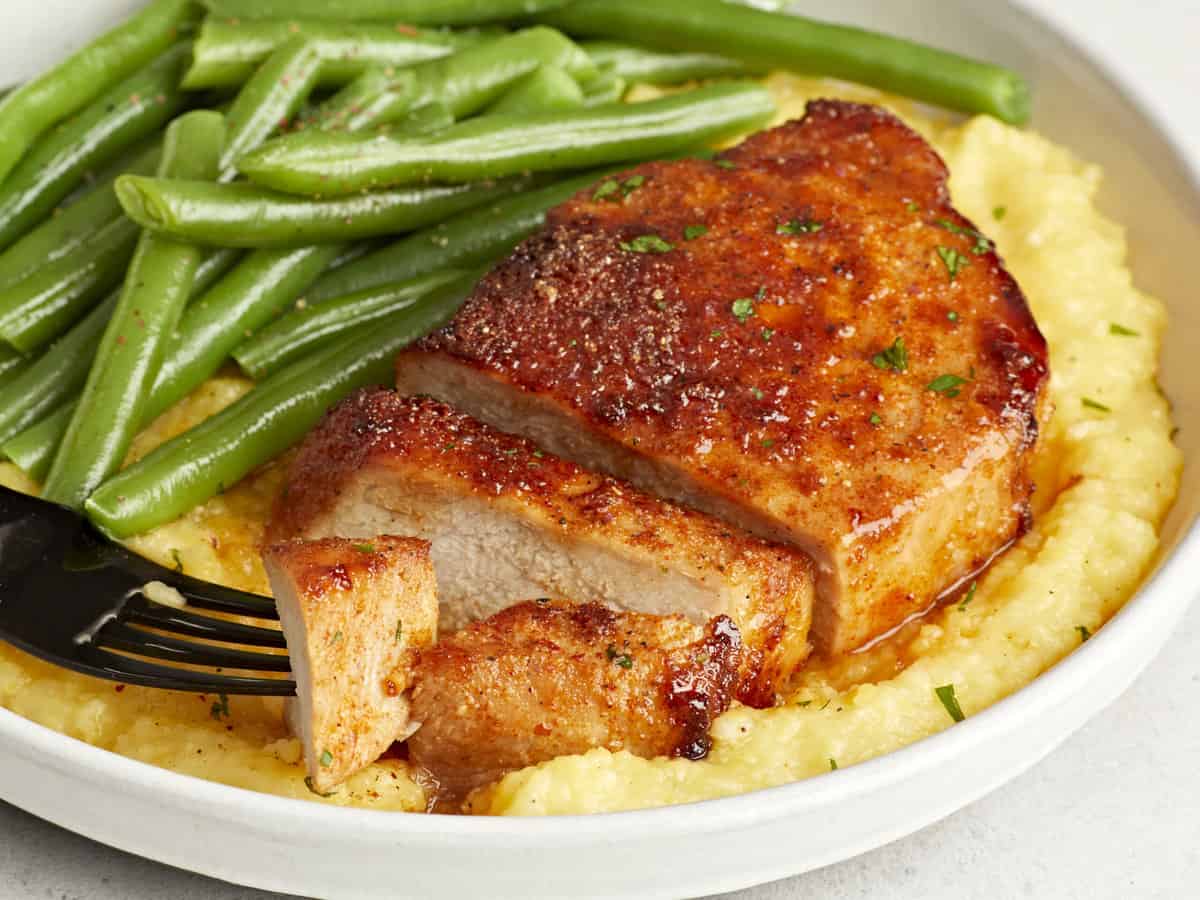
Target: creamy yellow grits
[(1105, 481)]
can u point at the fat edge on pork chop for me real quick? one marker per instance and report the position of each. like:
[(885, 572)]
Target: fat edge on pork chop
[(802, 337)]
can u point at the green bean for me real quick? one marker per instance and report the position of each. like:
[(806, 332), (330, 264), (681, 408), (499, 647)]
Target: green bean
[(243, 215), (71, 85), (305, 329), (761, 38), (60, 372), (254, 293), (33, 449), (607, 87), (199, 463), (69, 231), (11, 362), (495, 146), (477, 76), (415, 12), (272, 96), (546, 88), (424, 119), (226, 52), (135, 108), (65, 366), (648, 66), (35, 311), (55, 376), (472, 238), (131, 350), (367, 99)]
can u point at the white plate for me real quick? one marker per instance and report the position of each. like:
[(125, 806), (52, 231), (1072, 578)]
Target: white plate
[(306, 848)]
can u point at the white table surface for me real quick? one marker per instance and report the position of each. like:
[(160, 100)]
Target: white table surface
[(1114, 813)]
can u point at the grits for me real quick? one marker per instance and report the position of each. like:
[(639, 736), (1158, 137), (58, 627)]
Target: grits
[(1105, 481)]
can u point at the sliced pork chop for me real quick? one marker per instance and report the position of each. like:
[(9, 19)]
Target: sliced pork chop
[(353, 614), (508, 522), (802, 337), (549, 678)]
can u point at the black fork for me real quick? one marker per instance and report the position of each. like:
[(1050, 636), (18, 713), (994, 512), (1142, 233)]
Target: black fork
[(75, 599)]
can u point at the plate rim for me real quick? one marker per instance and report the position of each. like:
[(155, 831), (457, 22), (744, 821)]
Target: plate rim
[(1148, 618)]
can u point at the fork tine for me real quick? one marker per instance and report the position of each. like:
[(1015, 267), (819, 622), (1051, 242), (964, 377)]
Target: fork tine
[(181, 621), (136, 671), (146, 643), (206, 595)]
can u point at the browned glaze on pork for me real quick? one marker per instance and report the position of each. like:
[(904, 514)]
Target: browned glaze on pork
[(740, 370), (548, 678)]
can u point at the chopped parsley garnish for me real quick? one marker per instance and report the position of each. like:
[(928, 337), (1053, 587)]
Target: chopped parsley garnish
[(220, 708), (1096, 405), (945, 693), (694, 231), (894, 357), (399, 630), (364, 548), (716, 333), (999, 212), (912, 206), (799, 226), (768, 333), (982, 244), (326, 759), (876, 419), (952, 316), (724, 163), (606, 189), (768, 443), (947, 385), (624, 660), (175, 555), (968, 596), (1084, 634), (952, 260), (833, 766), (804, 703), (647, 243), (308, 783), (758, 394), (337, 636), (742, 309), (611, 189), (1122, 331)]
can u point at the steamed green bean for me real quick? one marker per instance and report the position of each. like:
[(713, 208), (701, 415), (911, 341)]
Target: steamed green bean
[(244, 215), (131, 350), (39, 308), (226, 52), (201, 462), (496, 146), (545, 89), (305, 329), (134, 109), (778, 40)]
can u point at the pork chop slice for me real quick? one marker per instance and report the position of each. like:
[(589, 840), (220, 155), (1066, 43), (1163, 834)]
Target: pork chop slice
[(353, 613), (548, 678), (802, 337), (508, 522)]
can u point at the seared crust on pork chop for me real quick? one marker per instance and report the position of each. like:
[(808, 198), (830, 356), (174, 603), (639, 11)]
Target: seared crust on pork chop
[(548, 678), (802, 337), (354, 613), (508, 521)]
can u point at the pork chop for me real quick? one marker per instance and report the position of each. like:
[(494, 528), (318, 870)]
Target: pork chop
[(353, 615), (546, 678), (802, 337), (508, 522)]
